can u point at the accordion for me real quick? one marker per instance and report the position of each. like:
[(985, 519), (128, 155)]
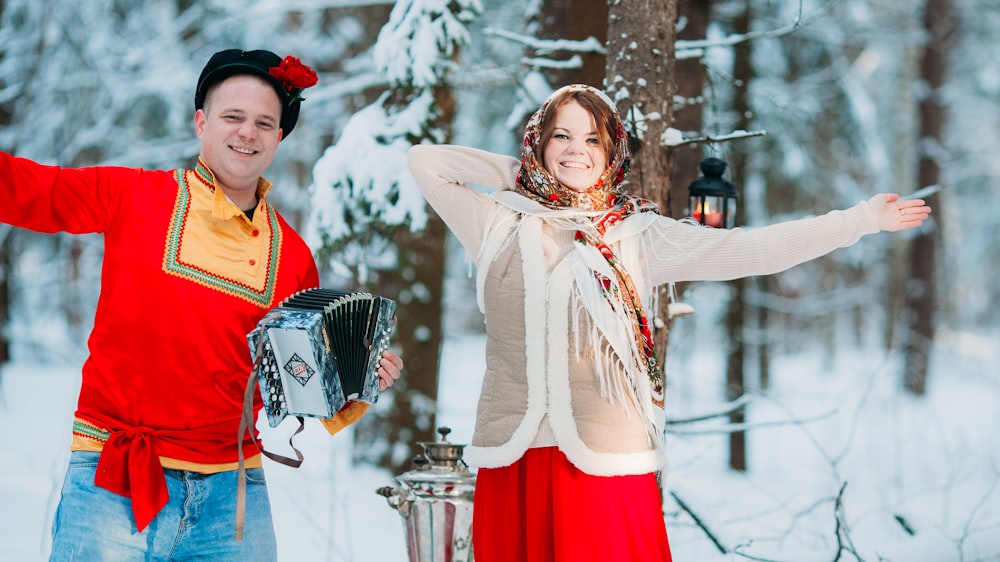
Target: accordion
[(319, 349)]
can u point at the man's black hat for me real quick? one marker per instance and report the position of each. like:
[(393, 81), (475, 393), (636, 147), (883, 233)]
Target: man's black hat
[(258, 63)]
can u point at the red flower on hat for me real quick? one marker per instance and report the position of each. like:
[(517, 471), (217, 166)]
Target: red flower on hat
[(294, 76)]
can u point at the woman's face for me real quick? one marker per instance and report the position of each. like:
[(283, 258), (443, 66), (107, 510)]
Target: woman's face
[(574, 155)]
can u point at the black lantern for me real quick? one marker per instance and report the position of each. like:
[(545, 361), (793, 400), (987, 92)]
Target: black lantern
[(713, 200)]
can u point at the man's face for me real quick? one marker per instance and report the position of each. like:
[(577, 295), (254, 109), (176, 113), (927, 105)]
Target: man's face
[(239, 130)]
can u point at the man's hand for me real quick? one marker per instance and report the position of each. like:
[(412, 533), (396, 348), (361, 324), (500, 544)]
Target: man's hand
[(389, 370)]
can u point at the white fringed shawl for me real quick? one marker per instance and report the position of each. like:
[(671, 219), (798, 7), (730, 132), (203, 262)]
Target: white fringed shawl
[(554, 302)]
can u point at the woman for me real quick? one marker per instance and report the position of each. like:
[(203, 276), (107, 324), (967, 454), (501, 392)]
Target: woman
[(569, 424)]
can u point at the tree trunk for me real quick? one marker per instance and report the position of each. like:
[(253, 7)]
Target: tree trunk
[(765, 286), (575, 20), (419, 287), (640, 78), (690, 82), (735, 361), (736, 316), (688, 115), (921, 301), (418, 283), (904, 156)]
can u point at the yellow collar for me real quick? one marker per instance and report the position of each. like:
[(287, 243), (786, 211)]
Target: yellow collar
[(222, 207)]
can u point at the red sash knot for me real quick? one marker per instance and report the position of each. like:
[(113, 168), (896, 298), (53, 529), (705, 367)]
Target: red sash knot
[(128, 466)]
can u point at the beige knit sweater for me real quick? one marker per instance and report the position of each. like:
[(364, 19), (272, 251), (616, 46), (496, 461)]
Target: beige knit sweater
[(552, 378)]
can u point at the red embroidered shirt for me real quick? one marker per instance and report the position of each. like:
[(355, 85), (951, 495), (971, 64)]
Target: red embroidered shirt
[(186, 276)]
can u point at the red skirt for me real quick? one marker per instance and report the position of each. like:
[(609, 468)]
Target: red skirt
[(544, 509)]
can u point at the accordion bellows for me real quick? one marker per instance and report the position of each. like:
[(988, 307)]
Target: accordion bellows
[(321, 348)]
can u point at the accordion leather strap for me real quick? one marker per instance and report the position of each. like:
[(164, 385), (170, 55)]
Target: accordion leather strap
[(247, 424)]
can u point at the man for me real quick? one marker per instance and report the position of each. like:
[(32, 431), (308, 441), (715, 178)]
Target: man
[(193, 260)]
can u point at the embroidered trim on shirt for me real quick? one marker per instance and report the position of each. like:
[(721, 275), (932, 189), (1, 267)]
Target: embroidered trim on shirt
[(90, 431), (173, 265)]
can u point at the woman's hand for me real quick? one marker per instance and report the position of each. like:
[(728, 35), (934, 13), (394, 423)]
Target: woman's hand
[(895, 214), (389, 370)]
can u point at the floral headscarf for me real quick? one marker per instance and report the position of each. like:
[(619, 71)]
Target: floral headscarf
[(537, 183)]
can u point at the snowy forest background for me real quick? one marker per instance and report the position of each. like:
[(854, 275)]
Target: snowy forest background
[(845, 409)]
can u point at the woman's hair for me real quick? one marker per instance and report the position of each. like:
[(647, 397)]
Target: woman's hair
[(605, 119)]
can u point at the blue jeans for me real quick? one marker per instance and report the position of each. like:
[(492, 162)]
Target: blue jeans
[(198, 522)]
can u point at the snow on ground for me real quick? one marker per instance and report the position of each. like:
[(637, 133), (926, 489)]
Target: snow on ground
[(931, 465)]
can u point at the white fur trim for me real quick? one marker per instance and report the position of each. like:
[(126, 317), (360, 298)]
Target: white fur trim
[(560, 397), (529, 232), (501, 229), (546, 308)]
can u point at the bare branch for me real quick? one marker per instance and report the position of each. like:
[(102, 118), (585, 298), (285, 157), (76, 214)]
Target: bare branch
[(843, 538), (729, 428), (904, 524), (573, 62), (697, 520), (967, 527), (588, 45), (728, 409), (735, 135), (696, 48)]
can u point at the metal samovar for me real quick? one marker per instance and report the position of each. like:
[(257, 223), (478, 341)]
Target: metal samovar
[(434, 499)]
